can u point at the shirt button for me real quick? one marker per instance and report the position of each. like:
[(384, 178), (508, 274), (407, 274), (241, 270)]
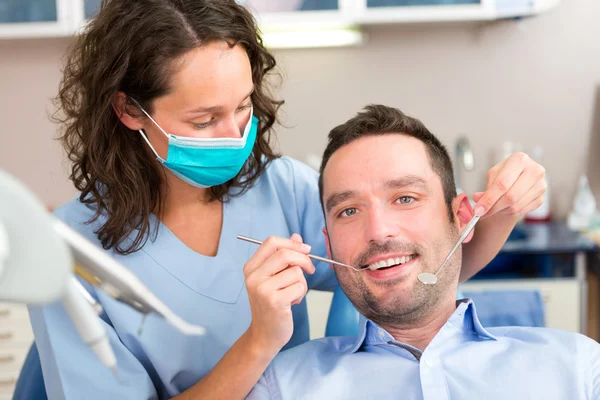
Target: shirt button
[(381, 334)]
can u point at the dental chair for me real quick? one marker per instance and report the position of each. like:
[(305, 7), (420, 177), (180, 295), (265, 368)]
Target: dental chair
[(494, 308), (343, 317), (30, 385)]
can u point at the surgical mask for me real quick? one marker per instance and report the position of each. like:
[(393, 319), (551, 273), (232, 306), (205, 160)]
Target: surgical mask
[(205, 162)]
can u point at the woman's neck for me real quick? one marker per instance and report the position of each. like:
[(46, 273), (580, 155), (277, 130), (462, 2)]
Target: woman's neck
[(181, 198), (192, 217)]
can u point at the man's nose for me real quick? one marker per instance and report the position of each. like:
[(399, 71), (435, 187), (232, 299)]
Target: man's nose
[(380, 225)]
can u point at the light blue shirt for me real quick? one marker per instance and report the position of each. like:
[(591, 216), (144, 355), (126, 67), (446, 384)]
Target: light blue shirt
[(207, 291), (463, 361)]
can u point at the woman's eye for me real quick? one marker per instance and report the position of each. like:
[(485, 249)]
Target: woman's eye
[(405, 200), (203, 124), (242, 108), (348, 212)]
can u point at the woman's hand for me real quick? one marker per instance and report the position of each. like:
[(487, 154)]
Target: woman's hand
[(275, 281), (516, 186)]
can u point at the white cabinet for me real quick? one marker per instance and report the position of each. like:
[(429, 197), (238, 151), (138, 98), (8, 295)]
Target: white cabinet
[(16, 338), (35, 18), (563, 298), (294, 14), (90, 8), (54, 18)]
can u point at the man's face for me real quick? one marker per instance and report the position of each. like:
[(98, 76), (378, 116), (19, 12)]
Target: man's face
[(385, 206)]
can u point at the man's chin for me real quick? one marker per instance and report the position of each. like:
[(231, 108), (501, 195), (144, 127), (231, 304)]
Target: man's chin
[(399, 290), (392, 307)]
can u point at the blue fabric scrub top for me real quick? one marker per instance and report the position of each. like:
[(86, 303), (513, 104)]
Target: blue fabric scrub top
[(207, 291)]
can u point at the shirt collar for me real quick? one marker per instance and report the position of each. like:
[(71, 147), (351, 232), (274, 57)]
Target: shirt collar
[(464, 318)]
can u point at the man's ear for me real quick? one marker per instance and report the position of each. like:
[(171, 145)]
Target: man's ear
[(463, 212), (127, 113), (327, 245)]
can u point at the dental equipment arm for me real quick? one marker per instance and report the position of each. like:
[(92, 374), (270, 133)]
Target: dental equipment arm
[(40, 254), (36, 265), (101, 270)]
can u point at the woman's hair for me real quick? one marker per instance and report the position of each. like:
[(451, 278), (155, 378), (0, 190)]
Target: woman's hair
[(132, 46)]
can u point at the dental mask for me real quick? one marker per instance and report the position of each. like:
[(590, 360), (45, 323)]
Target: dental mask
[(203, 162)]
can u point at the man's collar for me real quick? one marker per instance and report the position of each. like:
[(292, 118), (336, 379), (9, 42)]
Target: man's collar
[(464, 318)]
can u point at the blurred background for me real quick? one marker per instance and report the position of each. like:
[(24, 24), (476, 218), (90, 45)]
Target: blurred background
[(487, 77), (533, 81)]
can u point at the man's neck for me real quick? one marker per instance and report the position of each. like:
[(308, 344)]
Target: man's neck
[(420, 333)]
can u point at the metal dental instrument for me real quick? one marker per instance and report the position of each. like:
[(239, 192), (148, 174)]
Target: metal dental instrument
[(327, 260), (88, 297), (427, 278)]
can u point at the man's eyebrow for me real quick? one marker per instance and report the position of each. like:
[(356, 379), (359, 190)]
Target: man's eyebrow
[(406, 181), (337, 198)]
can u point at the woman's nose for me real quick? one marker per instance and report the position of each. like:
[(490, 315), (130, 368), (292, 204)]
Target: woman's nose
[(231, 129), (236, 125)]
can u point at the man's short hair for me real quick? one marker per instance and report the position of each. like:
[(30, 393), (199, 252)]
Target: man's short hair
[(377, 120)]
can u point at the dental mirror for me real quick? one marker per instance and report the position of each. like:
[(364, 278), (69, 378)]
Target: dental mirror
[(427, 278)]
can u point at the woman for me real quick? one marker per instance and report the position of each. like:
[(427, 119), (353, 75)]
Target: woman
[(167, 117)]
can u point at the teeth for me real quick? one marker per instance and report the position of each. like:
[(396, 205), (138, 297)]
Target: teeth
[(389, 262)]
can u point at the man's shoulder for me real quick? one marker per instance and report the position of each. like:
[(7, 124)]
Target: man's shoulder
[(555, 338)]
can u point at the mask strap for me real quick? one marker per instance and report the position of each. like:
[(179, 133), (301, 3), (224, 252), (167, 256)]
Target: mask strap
[(151, 119), (249, 124), (142, 132), (147, 141)]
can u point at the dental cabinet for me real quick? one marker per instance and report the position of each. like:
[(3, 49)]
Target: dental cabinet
[(557, 262), (35, 18), (62, 18), (16, 337)]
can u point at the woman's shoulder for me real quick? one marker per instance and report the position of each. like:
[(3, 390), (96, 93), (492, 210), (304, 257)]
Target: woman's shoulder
[(78, 216), (73, 210), (288, 171)]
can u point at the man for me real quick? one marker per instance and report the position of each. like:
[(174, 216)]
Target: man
[(390, 204)]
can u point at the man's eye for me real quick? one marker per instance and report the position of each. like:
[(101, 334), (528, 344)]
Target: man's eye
[(405, 200), (348, 212)]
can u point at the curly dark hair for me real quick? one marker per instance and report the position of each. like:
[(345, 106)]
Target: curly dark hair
[(132, 46)]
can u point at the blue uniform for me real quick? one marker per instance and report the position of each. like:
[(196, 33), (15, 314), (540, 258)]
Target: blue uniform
[(207, 291)]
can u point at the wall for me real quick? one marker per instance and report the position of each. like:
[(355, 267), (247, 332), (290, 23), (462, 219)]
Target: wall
[(535, 81), (29, 76)]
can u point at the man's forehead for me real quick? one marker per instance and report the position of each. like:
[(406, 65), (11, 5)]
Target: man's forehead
[(375, 160)]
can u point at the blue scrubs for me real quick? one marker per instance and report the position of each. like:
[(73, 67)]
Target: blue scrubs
[(207, 291)]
